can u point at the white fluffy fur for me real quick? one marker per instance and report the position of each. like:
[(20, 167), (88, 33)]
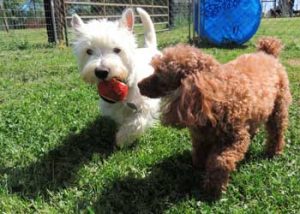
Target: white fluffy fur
[(131, 65)]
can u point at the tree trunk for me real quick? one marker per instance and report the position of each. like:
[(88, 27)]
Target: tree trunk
[(284, 6)]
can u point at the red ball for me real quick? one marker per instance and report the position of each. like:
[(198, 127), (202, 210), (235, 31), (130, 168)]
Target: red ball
[(113, 90)]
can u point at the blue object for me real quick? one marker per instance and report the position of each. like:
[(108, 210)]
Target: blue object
[(227, 21), (29, 5), (26, 7)]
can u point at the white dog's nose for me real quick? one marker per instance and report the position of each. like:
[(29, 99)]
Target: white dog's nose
[(100, 73)]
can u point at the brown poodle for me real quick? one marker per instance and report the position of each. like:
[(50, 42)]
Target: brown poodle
[(222, 104)]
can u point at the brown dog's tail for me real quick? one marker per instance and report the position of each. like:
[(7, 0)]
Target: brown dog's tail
[(270, 46)]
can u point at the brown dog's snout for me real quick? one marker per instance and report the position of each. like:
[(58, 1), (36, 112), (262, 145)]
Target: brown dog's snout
[(148, 88), (142, 88)]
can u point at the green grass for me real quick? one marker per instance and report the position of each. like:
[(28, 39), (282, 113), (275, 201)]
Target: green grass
[(56, 150)]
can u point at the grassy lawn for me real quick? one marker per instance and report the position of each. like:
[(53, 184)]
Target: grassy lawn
[(56, 150)]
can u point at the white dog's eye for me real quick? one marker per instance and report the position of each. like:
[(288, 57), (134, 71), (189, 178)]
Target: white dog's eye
[(89, 51), (117, 50)]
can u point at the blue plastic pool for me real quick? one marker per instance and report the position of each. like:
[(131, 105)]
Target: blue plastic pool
[(227, 21)]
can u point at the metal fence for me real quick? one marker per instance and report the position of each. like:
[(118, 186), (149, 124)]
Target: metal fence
[(48, 21), (21, 16), (112, 10), (23, 23), (51, 18)]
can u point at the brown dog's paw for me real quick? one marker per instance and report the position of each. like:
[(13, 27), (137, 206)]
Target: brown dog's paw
[(212, 192), (214, 184), (198, 163), (272, 151)]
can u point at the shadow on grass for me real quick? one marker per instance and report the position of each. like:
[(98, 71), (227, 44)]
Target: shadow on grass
[(171, 181), (57, 168)]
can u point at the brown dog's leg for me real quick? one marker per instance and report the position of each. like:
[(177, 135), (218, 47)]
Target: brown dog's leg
[(200, 150), (222, 160), (276, 126)]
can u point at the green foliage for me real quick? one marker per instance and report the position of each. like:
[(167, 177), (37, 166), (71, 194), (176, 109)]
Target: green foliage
[(15, 4), (12, 4), (57, 154)]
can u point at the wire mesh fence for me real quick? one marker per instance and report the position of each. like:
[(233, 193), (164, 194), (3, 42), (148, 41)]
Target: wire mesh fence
[(40, 22), (21, 16), (112, 10), (49, 20), (22, 23)]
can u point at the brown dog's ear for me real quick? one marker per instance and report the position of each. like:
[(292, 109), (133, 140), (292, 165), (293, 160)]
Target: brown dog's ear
[(156, 61), (195, 107), (185, 108)]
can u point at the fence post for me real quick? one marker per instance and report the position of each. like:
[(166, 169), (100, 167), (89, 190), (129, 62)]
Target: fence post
[(59, 19), (55, 20), (49, 21), (2, 10), (171, 13), (190, 18)]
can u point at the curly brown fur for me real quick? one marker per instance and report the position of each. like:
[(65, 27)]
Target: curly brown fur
[(270, 46), (222, 104)]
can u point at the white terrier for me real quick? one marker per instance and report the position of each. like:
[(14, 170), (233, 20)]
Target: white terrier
[(106, 50)]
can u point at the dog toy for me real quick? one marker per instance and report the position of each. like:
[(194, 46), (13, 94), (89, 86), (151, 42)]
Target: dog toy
[(113, 90)]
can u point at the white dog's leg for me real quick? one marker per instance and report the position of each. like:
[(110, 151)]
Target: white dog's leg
[(131, 130)]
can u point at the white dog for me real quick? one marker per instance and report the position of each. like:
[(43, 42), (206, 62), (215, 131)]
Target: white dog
[(107, 49)]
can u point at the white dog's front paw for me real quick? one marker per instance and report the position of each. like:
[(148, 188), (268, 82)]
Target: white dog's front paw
[(124, 139)]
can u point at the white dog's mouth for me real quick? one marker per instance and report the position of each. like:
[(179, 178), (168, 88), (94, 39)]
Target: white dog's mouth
[(113, 90), (108, 100), (120, 79), (104, 75)]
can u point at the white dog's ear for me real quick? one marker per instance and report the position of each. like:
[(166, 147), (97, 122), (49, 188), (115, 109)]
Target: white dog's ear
[(127, 19), (76, 22)]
